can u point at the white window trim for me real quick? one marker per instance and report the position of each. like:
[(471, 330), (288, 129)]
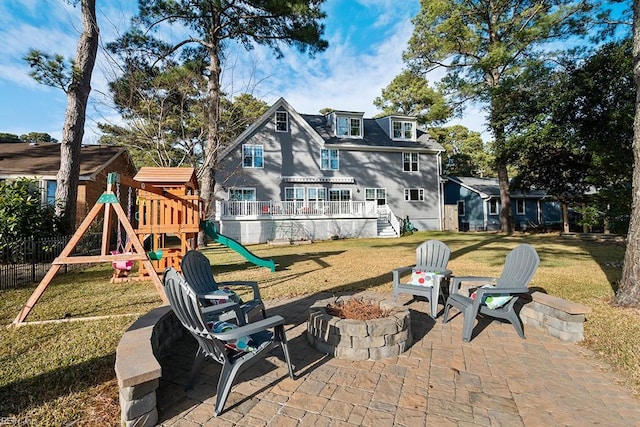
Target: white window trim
[(402, 137), (349, 118), (491, 212), (329, 150), (319, 190), (297, 191), (464, 207), (524, 207), (286, 121), (248, 189), (253, 157), (376, 191), (407, 194), (411, 162), (340, 191)]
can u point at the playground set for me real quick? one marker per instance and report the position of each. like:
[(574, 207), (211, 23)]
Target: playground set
[(166, 206)]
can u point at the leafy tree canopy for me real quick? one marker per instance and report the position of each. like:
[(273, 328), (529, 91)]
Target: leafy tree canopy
[(27, 137), (480, 44), (166, 112), (9, 137), (37, 137), (465, 153), (409, 94), (575, 128), (21, 211), (211, 26), (576, 124)]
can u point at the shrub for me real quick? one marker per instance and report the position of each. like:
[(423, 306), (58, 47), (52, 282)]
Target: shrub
[(22, 213)]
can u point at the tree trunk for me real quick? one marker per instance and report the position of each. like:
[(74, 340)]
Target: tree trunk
[(210, 157), (506, 217), (628, 293), (73, 129)]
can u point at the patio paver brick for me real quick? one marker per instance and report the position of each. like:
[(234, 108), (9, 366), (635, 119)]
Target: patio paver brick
[(496, 379)]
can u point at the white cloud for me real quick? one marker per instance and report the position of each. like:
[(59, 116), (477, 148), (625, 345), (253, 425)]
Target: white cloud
[(361, 60), (344, 77)]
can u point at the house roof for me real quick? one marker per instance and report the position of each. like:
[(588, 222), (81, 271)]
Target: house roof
[(168, 177), (374, 136), (43, 160), (489, 187)]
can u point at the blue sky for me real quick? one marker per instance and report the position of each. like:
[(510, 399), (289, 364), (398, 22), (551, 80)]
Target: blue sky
[(366, 41)]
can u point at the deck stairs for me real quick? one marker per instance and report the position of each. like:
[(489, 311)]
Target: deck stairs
[(386, 227)]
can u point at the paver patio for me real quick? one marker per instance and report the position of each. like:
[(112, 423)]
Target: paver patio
[(497, 379)]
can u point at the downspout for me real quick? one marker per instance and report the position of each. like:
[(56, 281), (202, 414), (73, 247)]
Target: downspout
[(485, 213), (539, 211)]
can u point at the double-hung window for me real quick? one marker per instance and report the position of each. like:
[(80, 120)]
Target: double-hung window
[(414, 194), (378, 195), (520, 207), (282, 121), (329, 159), (349, 126), (410, 162), (294, 194), (316, 194), (252, 156), (343, 195), (403, 130)]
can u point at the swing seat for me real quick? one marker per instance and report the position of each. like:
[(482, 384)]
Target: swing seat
[(155, 255), (122, 265)]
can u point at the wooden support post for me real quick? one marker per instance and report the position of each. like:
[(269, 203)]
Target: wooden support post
[(140, 249), (37, 293), (105, 201)]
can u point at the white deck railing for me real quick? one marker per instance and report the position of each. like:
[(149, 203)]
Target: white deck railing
[(357, 209)]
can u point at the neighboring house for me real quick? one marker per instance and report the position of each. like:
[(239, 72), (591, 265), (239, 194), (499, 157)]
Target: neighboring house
[(473, 204), (42, 162), (294, 176)]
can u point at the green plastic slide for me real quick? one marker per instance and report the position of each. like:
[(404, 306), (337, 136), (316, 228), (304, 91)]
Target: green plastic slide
[(211, 231)]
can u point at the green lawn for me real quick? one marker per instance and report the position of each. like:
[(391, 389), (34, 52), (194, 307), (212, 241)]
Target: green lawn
[(62, 373)]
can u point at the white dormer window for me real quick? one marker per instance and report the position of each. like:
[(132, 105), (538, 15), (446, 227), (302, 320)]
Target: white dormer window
[(403, 130), (349, 126), (282, 121)]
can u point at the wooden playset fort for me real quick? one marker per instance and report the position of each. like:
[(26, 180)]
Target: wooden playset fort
[(168, 217)]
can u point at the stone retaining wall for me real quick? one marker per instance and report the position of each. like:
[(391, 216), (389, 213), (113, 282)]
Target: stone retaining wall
[(360, 339), (137, 368), (561, 318)]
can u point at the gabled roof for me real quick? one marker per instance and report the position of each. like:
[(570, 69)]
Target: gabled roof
[(280, 104), (375, 139), (489, 187), (43, 160)]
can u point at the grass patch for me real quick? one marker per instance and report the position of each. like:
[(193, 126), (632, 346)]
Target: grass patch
[(59, 374)]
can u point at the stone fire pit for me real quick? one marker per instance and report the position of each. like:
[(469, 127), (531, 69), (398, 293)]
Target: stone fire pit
[(360, 339)]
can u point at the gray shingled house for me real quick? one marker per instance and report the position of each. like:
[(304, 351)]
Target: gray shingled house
[(294, 176)]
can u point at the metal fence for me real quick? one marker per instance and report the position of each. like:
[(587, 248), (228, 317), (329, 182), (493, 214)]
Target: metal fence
[(25, 261)]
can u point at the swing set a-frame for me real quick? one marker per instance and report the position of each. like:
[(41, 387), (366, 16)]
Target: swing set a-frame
[(107, 204)]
